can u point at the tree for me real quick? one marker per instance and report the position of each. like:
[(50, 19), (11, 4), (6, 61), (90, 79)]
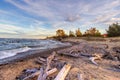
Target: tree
[(78, 33), (92, 32), (113, 30), (71, 34), (97, 34), (60, 33)]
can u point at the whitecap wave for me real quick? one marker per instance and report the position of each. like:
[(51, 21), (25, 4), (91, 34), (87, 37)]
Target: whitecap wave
[(13, 52)]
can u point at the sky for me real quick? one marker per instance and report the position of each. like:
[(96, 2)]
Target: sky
[(41, 18)]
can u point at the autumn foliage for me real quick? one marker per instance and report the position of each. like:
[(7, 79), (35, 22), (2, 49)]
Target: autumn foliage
[(92, 32), (112, 31), (60, 34), (78, 33), (71, 34)]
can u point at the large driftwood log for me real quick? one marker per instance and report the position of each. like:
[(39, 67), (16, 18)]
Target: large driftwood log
[(63, 72)]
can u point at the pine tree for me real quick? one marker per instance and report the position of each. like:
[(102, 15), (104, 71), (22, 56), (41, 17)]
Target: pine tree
[(114, 30)]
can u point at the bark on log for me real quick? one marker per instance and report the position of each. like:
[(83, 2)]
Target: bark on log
[(63, 73)]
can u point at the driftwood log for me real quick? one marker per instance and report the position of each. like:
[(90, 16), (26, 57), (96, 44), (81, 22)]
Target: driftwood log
[(49, 60), (43, 76), (80, 76), (50, 72), (63, 72)]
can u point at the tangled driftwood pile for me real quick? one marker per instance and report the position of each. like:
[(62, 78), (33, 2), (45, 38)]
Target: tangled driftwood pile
[(51, 69), (54, 69), (93, 51)]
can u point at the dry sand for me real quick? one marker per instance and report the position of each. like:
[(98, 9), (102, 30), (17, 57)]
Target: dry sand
[(80, 65)]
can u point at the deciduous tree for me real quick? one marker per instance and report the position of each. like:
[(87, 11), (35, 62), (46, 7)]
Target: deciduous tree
[(78, 33), (71, 34), (92, 32)]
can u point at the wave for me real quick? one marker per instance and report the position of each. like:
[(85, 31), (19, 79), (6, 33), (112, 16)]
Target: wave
[(10, 47), (13, 52)]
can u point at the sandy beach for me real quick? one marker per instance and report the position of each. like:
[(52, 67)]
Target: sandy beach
[(79, 65)]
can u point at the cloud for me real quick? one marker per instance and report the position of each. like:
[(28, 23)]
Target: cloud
[(73, 18), (105, 17), (65, 14), (115, 19), (68, 10), (51, 10), (16, 31)]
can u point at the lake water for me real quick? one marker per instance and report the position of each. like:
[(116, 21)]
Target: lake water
[(10, 47)]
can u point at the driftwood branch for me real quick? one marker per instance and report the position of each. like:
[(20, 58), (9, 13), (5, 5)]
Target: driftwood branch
[(80, 76), (96, 57), (49, 60), (42, 76), (50, 72), (92, 59), (32, 75), (42, 59), (63, 73)]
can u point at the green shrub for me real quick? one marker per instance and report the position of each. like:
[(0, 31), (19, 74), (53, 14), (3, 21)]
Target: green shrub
[(113, 30)]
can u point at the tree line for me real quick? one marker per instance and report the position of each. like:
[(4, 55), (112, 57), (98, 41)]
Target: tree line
[(90, 32), (112, 31)]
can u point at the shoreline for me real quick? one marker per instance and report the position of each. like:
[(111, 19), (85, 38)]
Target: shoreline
[(11, 70), (31, 54)]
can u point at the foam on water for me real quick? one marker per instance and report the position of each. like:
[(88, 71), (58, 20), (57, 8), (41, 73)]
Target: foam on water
[(9, 53), (10, 47)]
